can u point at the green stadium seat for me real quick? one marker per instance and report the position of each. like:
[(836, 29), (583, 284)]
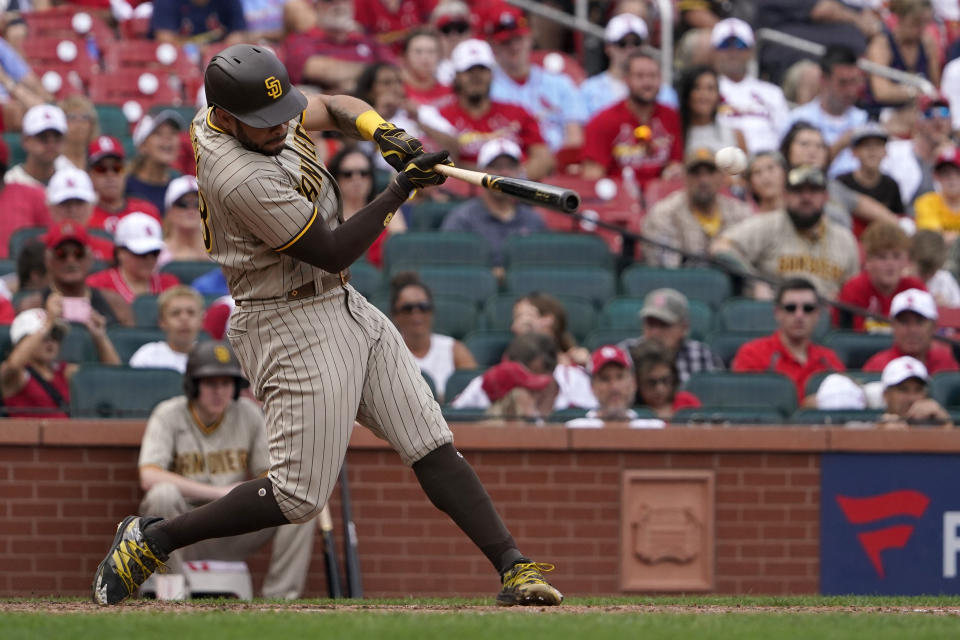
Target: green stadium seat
[(464, 415), (126, 340), (581, 314), (188, 270), (813, 382), (595, 283), (104, 391), (428, 215), (366, 278), (17, 153), (744, 391), (714, 415), (756, 316), (708, 285), (19, 239), (474, 282), (406, 251), (187, 112), (945, 389), (6, 344), (487, 347), (429, 380), (834, 417), (855, 348), (145, 311), (7, 266), (458, 381), (129, 147), (601, 337), (725, 345), (563, 249), (623, 312), (77, 345), (112, 121), (564, 415)]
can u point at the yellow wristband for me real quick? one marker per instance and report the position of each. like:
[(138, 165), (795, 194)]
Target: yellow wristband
[(367, 122)]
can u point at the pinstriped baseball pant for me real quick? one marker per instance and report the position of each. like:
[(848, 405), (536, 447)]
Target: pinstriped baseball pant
[(318, 365)]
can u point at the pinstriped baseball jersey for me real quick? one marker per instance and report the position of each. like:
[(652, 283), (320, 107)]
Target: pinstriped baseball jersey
[(252, 205)]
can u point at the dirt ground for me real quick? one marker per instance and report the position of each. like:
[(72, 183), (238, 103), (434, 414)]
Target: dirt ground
[(73, 607)]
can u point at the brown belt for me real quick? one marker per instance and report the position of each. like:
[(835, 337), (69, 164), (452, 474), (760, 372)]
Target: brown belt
[(327, 282)]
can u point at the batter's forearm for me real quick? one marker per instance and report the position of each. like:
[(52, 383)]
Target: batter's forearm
[(338, 112)]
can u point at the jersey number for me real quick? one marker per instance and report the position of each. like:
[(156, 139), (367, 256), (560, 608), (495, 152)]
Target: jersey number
[(204, 221)]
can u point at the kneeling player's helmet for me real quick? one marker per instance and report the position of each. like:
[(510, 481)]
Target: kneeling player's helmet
[(250, 83), (212, 359)]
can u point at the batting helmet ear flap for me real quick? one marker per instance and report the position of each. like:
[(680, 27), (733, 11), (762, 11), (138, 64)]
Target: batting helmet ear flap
[(190, 387)]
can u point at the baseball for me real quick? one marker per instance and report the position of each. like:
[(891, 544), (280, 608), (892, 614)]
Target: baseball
[(731, 160), (66, 51)]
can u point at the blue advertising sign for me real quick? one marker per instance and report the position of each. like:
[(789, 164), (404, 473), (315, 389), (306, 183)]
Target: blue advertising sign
[(890, 524)]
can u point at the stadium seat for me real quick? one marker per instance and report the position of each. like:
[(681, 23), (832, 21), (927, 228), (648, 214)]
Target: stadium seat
[(855, 348), (126, 55), (563, 415), (464, 415), (365, 278), (602, 337), (428, 215), (7, 266), (77, 345), (6, 344), (725, 345), (726, 416), (581, 314), (595, 283), (126, 340), (623, 312), (862, 377), (564, 249), (834, 417), (186, 111), (112, 121), (188, 270), (43, 54), (124, 86), (145, 311), (708, 285), (487, 347), (104, 391), (17, 153), (744, 391), (429, 380), (57, 22), (474, 282), (561, 62), (404, 251), (746, 315), (454, 316), (657, 189), (20, 237), (458, 381), (945, 389)]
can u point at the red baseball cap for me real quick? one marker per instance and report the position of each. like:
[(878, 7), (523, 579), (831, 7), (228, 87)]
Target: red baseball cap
[(103, 147), (608, 354), (69, 230), (501, 379), (505, 23), (950, 155)]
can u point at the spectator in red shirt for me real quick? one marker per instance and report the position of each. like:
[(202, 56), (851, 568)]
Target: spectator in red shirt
[(70, 196), (474, 118), (913, 316), (637, 134), (390, 21), (105, 158), (887, 255), (22, 206), (421, 55), (790, 350), (657, 381), (139, 241)]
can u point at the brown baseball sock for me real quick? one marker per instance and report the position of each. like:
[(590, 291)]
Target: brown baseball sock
[(454, 488), (248, 507)]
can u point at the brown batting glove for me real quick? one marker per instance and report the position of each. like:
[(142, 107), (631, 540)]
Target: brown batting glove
[(397, 146), (419, 172)]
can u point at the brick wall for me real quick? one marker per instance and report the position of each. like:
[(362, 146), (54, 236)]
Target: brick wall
[(59, 505)]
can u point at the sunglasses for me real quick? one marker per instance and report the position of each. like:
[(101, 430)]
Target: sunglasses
[(653, 383), (149, 254), (103, 169), (187, 203), (937, 112), (733, 43), (454, 27), (353, 173), (422, 307), (627, 41), (63, 252), (792, 307)]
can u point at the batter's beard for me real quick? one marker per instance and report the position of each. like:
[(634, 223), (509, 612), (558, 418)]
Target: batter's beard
[(804, 221), (250, 145)]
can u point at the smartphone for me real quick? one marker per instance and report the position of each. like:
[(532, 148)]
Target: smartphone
[(76, 309)]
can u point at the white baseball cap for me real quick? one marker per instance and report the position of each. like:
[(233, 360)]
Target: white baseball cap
[(138, 233), (625, 24), (915, 300), (27, 323), (179, 187), (900, 369), (838, 392), (149, 123), (44, 117), (472, 53), (493, 149), (731, 28), (70, 184)]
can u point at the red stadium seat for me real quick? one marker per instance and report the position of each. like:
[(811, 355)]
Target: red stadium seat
[(42, 53), (142, 55), (135, 28), (657, 190), (57, 22), (120, 87)]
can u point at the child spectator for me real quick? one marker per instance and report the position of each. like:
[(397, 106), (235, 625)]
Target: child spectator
[(940, 210), (180, 316), (928, 254), (869, 146), (139, 241), (887, 250), (542, 313), (657, 381), (614, 383)]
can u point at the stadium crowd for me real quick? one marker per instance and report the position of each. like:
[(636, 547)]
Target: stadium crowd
[(820, 285)]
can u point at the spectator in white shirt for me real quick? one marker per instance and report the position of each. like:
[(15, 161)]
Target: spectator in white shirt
[(756, 108), (181, 318), (42, 136), (928, 253)]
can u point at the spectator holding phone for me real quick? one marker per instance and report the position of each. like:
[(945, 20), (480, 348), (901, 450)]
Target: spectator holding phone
[(139, 241), (33, 381), (180, 317)]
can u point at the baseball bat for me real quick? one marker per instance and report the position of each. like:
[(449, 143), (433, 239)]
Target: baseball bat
[(330, 554), (537, 193), (350, 555)]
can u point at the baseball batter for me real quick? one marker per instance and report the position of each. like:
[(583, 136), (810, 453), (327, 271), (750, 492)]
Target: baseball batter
[(317, 354)]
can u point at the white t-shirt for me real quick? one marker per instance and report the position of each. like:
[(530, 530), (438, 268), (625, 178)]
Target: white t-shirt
[(756, 108), (158, 355), (591, 421), (902, 165), (944, 287), (438, 363), (950, 87), (574, 391)]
